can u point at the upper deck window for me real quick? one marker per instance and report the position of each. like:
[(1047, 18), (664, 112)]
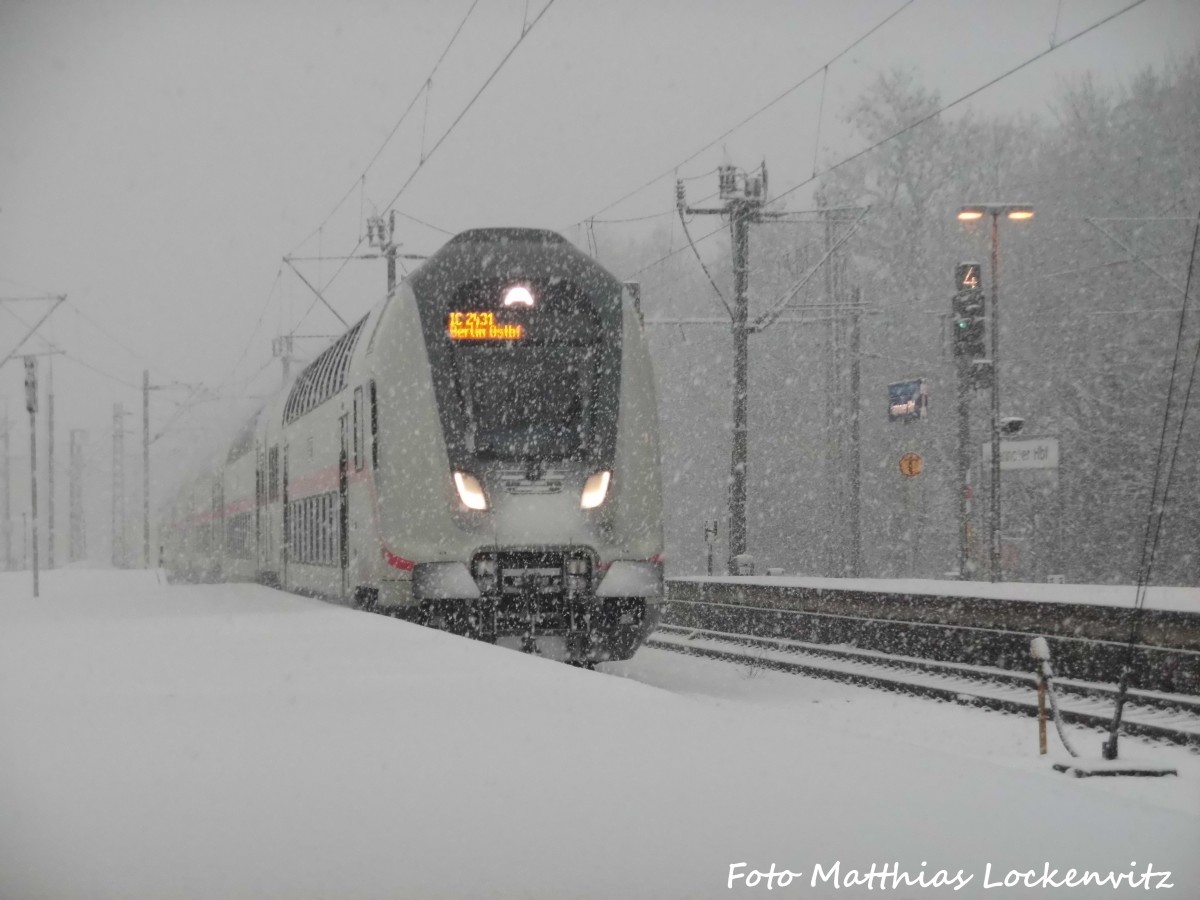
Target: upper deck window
[(324, 377)]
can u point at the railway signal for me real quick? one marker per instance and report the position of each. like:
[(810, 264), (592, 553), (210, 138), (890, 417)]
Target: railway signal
[(968, 308)]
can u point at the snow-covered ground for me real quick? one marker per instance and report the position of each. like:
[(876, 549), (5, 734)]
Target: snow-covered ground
[(1178, 599), (237, 742)]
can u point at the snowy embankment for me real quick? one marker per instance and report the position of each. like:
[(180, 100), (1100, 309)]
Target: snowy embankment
[(237, 742), (1174, 599)]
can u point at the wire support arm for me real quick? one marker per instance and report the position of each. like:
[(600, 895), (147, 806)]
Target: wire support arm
[(320, 296), (1136, 257), (763, 322), (58, 301)]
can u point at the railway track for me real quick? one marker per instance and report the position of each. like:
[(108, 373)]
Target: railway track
[(958, 638), (1157, 716)]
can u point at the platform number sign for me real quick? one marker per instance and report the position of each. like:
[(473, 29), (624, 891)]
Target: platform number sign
[(966, 277)]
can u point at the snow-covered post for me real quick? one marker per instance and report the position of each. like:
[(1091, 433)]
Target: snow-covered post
[(1041, 653)]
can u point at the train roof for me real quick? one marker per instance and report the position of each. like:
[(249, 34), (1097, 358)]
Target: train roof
[(504, 235), (510, 253)]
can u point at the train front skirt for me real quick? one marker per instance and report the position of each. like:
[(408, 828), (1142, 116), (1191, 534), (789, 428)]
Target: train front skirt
[(554, 602)]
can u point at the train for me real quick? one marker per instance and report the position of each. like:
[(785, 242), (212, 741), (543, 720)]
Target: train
[(479, 453)]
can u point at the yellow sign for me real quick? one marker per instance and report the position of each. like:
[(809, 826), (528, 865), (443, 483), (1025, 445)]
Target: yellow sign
[(481, 326), (910, 465)]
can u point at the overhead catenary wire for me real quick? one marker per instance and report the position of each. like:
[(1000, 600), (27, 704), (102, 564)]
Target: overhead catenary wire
[(432, 150), (1158, 505), (1153, 526), (820, 116), (953, 103), (513, 49), (258, 324), (359, 182), (72, 358), (75, 308), (907, 128), (716, 290), (799, 84)]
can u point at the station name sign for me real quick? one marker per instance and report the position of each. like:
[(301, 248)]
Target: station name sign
[(1035, 453)]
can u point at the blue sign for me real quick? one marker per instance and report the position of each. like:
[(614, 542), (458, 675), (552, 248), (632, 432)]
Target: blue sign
[(908, 401)]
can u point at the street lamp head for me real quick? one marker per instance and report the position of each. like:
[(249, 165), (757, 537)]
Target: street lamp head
[(1015, 211)]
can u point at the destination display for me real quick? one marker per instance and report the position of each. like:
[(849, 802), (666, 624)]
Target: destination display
[(481, 326)]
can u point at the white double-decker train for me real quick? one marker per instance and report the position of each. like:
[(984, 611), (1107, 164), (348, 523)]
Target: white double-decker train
[(479, 453)]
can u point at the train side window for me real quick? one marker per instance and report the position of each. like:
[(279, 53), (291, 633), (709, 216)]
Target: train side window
[(331, 522), (374, 427), (316, 529), (358, 428), (308, 529), (312, 529), (324, 529), (273, 474), (319, 529), (330, 526)]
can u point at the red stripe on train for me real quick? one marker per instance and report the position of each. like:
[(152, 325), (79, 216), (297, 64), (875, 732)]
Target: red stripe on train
[(398, 562)]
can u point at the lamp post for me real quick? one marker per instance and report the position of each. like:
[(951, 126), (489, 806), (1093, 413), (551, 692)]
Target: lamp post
[(1016, 212)]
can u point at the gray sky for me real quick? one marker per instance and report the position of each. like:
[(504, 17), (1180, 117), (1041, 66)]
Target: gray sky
[(157, 159)]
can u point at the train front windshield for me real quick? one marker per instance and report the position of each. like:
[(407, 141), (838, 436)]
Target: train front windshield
[(527, 402), (525, 359)]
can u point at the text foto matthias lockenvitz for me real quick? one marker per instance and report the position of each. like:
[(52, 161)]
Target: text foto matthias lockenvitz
[(890, 876)]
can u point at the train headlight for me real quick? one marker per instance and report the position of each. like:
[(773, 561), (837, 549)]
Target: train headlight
[(470, 491), (595, 490), (518, 295)]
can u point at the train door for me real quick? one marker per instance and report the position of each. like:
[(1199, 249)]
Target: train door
[(217, 562), (260, 512), (344, 507), (285, 546), (271, 560)]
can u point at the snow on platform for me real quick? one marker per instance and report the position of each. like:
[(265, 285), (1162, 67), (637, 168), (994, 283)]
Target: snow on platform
[(1173, 599), (231, 741)]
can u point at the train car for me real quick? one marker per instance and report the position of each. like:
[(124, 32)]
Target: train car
[(479, 453)]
